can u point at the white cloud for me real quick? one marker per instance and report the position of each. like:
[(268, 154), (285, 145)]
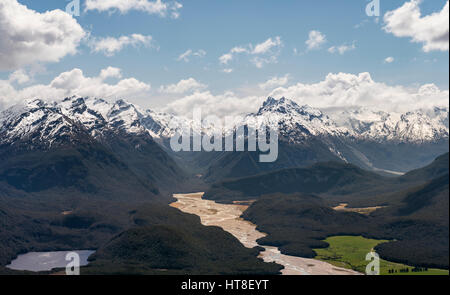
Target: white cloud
[(74, 82), (110, 46), (227, 71), (267, 45), (336, 91), (342, 49), (430, 30), (29, 37), (157, 7), (389, 59), (19, 77), (315, 40), (226, 104), (186, 55), (239, 49), (264, 53), (275, 82), (348, 90), (110, 72), (226, 58), (182, 87)]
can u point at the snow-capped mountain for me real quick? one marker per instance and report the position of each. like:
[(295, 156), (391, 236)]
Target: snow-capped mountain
[(96, 115), (295, 122), (375, 140), (90, 118), (363, 137), (413, 127), (88, 135), (300, 122), (36, 122), (45, 121), (162, 125)]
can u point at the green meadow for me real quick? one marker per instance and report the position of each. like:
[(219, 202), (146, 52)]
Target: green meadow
[(350, 252)]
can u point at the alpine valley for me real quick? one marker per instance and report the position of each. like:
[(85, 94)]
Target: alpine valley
[(87, 173)]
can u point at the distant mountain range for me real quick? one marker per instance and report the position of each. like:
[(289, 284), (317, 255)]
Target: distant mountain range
[(388, 143), (296, 122), (364, 137)]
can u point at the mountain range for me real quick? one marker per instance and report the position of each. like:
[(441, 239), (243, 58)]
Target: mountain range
[(82, 145), (388, 143), (295, 121)]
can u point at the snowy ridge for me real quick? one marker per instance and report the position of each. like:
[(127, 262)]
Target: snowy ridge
[(44, 122), (296, 122), (36, 122), (414, 127)]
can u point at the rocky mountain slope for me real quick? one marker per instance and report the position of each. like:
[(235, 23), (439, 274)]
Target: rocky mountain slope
[(85, 144)]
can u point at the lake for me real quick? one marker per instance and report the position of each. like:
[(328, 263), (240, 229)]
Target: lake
[(46, 261)]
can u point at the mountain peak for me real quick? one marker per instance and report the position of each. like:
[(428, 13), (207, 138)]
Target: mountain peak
[(38, 123), (271, 101), (295, 122), (288, 106), (281, 105)]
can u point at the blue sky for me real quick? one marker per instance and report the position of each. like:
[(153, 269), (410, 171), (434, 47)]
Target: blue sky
[(217, 26)]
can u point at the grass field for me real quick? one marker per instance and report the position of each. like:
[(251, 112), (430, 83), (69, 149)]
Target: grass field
[(350, 252)]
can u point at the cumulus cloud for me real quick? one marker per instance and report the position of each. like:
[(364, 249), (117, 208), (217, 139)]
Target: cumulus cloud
[(182, 87), (342, 49), (189, 53), (110, 72), (157, 7), (274, 82), (315, 40), (336, 91), (263, 53), (430, 30), (226, 104), (347, 90), (29, 37), (109, 46), (72, 83)]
